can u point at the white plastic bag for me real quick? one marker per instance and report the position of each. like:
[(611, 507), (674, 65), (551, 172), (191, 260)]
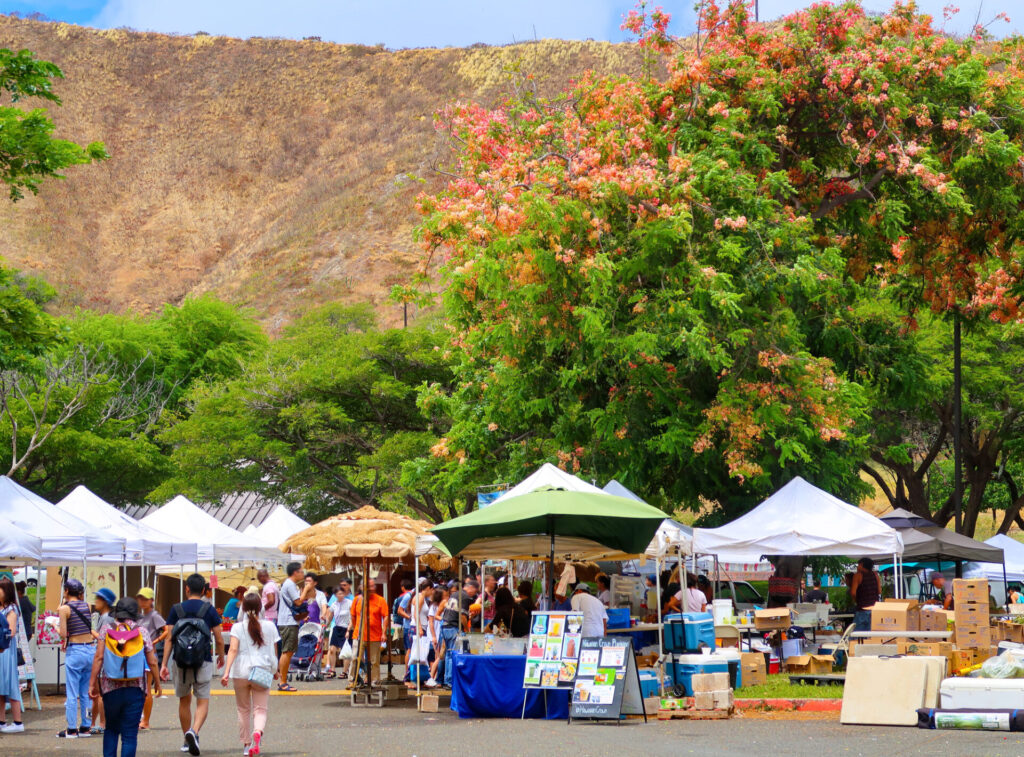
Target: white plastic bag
[(346, 651), (1002, 666), (420, 651)]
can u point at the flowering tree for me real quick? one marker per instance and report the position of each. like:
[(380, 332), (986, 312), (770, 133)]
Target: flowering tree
[(661, 279)]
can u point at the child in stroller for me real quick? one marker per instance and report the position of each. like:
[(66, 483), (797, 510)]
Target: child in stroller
[(307, 662)]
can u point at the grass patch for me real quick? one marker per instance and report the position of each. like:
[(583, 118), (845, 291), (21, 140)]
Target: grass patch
[(779, 687)]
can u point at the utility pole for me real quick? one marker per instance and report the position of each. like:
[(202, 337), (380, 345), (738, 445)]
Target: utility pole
[(958, 493)]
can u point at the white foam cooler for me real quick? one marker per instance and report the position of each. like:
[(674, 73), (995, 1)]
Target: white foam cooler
[(982, 693)]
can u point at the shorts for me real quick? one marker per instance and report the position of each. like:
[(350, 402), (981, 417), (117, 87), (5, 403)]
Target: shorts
[(289, 638), (338, 636), (188, 682)]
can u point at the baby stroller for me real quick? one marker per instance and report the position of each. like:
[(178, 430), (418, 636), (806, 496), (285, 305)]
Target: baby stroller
[(307, 662)]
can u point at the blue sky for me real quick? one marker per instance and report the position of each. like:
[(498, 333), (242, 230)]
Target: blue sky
[(426, 23)]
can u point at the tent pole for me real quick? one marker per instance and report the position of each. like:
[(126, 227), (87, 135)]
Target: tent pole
[(416, 624), (551, 559), (657, 599), (366, 621), (1006, 586), (181, 583)]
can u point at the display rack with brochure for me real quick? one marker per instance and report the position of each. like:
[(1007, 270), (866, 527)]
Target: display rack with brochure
[(552, 650), (607, 683)]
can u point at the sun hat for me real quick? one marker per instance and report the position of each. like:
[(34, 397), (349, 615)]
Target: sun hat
[(126, 609), (107, 596)]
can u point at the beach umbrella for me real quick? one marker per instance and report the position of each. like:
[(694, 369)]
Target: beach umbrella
[(549, 522), (900, 518)]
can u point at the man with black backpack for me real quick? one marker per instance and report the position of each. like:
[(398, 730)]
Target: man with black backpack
[(195, 625)]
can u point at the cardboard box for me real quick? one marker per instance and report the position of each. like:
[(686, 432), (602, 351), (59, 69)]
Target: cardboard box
[(723, 699), (429, 703), (1013, 632), (704, 700), (810, 664), (980, 638), (752, 669), (651, 705), (646, 660), (677, 703), (774, 619), (896, 615), (926, 649), (933, 620), (971, 615), (710, 682), (874, 650), (970, 590)]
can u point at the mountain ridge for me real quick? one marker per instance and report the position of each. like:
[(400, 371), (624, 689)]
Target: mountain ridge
[(276, 174)]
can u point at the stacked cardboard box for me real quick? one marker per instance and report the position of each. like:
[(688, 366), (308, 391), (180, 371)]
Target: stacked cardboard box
[(810, 664), (970, 613), (711, 691), (896, 615), (753, 671)]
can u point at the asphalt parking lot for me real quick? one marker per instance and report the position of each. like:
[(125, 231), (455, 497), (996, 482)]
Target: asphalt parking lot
[(315, 722)]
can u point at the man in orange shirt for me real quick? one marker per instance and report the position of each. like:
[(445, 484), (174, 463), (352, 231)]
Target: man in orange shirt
[(380, 622)]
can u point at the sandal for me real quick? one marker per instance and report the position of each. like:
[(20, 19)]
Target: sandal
[(285, 687), (330, 674)]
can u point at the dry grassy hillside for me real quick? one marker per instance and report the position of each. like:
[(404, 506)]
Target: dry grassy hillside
[(274, 173)]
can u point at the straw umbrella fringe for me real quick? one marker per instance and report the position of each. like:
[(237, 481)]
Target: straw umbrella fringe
[(367, 533)]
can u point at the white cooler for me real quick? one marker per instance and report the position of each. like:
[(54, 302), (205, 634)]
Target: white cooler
[(982, 693)]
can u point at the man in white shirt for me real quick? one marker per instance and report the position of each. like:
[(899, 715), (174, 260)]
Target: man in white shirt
[(595, 616)]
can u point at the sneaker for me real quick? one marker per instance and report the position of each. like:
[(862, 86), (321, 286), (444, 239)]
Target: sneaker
[(68, 734), (13, 728), (246, 752), (184, 747), (257, 738), (192, 742), (431, 683), (85, 732)]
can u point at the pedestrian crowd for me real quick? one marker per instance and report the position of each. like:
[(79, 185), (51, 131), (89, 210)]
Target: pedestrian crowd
[(119, 654)]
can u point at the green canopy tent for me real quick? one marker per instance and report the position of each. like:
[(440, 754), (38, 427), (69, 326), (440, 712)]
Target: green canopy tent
[(554, 522)]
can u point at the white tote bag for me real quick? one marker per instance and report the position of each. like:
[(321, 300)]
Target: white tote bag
[(420, 651)]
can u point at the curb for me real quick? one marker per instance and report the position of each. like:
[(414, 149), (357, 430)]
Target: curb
[(790, 705)]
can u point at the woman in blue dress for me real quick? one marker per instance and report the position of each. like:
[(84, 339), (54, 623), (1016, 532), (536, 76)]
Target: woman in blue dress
[(10, 688)]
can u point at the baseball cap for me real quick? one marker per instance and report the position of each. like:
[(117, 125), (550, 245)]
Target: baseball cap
[(145, 592), (107, 596), (582, 587), (126, 608)]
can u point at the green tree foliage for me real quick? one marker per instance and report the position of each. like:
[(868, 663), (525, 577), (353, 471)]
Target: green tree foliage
[(324, 419), (91, 407), (672, 281)]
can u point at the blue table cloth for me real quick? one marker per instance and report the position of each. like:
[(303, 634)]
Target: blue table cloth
[(491, 686)]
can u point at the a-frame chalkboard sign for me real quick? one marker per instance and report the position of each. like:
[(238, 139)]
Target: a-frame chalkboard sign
[(607, 684)]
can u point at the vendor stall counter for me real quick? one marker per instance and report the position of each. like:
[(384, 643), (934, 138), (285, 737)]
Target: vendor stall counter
[(491, 686)]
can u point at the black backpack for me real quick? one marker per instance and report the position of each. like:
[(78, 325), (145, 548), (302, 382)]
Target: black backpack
[(191, 639)]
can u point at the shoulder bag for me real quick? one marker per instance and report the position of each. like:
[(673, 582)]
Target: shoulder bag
[(260, 677)]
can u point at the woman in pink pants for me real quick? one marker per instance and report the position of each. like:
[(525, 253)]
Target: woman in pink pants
[(252, 647)]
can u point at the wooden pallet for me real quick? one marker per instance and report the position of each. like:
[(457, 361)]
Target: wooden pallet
[(696, 714)]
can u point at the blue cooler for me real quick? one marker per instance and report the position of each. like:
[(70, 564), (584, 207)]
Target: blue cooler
[(618, 617), (684, 667), (689, 632), (648, 683)]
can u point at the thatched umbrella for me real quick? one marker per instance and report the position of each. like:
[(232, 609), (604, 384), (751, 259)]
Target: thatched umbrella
[(365, 536)]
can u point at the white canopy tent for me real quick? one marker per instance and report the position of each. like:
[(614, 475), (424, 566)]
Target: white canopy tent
[(1013, 554), (143, 545), (64, 538), (17, 545), (182, 520), (799, 520), (278, 526), (552, 476)]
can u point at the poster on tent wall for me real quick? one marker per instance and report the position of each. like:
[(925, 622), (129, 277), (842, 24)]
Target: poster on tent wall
[(486, 495), (108, 576), (553, 650)]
